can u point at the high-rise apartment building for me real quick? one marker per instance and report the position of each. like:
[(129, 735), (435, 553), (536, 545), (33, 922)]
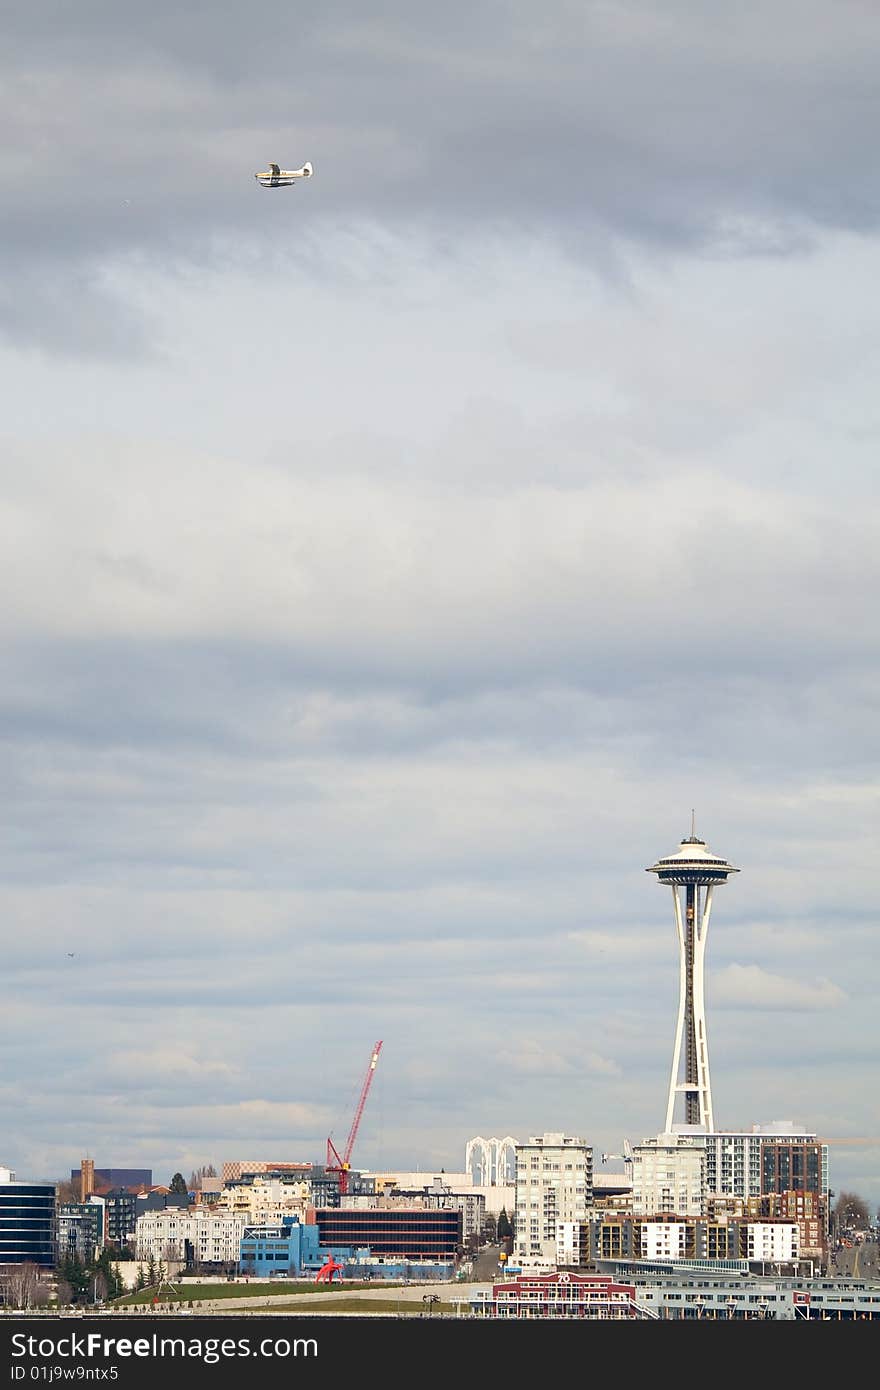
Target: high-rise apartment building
[(669, 1176), (777, 1157), (794, 1164), (554, 1183)]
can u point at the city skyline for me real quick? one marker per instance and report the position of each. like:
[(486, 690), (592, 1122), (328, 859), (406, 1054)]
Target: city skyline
[(393, 562)]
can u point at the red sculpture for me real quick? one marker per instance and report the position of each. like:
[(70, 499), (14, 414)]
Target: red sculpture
[(327, 1270)]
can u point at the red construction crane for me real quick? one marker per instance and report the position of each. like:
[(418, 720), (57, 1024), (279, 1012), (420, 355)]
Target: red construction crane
[(334, 1163)]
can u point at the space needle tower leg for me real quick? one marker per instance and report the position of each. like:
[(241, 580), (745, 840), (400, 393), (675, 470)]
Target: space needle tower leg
[(692, 873)]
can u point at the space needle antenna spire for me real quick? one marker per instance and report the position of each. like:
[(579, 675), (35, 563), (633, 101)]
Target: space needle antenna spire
[(692, 872)]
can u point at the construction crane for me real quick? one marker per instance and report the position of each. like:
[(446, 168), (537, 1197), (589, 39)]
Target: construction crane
[(848, 1139), (627, 1156), (334, 1163)]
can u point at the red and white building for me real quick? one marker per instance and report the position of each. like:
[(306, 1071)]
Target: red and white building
[(558, 1295)]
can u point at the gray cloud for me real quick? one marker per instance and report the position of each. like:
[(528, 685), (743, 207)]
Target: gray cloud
[(655, 124)]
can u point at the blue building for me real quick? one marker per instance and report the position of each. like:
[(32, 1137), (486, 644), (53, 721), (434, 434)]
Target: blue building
[(280, 1247), (291, 1248), (28, 1222)]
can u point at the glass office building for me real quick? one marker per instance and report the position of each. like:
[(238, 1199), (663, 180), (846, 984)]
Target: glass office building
[(27, 1222)]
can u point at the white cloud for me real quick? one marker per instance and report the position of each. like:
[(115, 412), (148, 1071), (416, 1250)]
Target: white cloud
[(156, 1066), (532, 1057), (624, 945), (750, 987)]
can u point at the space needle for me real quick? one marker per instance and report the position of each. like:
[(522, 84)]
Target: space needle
[(695, 869)]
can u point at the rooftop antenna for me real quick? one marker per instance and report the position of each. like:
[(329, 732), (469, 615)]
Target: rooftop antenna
[(693, 832)]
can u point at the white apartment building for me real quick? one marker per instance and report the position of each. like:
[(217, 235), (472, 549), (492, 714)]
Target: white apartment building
[(265, 1198), (568, 1243), (734, 1158), (497, 1197), (554, 1183), (669, 1176), (774, 1241), (214, 1236), (663, 1240)]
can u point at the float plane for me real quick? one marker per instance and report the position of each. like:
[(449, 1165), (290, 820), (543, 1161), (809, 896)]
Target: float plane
[(275, 177)]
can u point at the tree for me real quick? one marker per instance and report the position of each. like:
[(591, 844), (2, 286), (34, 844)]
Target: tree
[(850, 1210), (63, 1291), (68, 1190), (106, 1280), (76, 1275), (195, 1178), (23, 1287), (504, 1228), (178, 1183)]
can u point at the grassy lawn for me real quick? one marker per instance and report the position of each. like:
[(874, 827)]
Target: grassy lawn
[(404, 1308), (184, 1293), (283, 1295)]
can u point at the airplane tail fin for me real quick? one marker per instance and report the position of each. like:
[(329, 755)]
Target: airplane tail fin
[(307, 169)]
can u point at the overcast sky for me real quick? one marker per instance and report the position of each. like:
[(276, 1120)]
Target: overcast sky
[(393, 561)]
